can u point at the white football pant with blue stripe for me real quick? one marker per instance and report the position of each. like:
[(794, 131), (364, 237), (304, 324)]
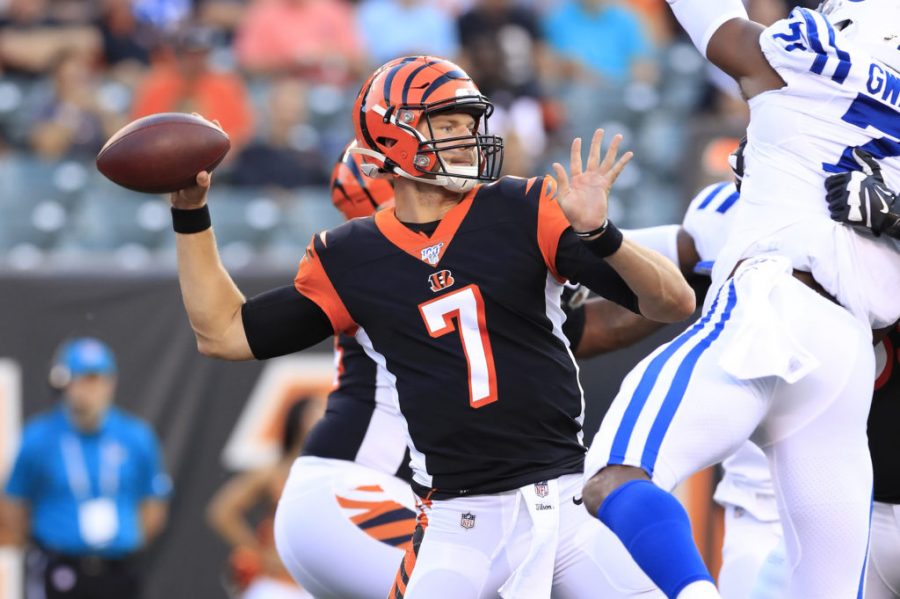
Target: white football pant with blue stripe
[(773, 360)]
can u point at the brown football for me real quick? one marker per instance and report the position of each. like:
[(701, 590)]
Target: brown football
[(163, 152)]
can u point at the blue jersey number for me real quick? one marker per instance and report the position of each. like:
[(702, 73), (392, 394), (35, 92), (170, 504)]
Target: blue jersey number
[(865, 112)]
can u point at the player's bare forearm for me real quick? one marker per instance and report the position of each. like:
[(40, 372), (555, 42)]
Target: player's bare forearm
[(609, 326), (211, 298), (662, 291)]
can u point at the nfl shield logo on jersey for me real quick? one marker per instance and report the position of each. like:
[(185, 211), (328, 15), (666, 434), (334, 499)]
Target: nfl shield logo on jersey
[(541, 489), (467, 520), (432, 254)]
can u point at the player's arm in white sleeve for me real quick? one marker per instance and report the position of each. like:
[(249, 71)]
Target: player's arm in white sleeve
[(722, 31), (608, 326), (672, 241)]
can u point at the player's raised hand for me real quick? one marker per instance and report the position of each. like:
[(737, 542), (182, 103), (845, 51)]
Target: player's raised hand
[(584, 197)]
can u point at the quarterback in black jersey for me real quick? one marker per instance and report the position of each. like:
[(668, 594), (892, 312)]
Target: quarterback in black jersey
[(455, 293)]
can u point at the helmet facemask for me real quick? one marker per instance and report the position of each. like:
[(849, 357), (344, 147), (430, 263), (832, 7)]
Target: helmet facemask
[(433, 159)]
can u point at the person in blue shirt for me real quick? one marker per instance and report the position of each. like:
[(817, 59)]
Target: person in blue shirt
[(88, 488), (601, 38)]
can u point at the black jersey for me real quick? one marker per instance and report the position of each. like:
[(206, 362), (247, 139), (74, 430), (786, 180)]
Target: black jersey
[(361, 423), (467, 325), (884, 421)]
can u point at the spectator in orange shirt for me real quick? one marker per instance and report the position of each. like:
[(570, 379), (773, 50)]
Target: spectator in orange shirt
[(317, 39), (182, 80)]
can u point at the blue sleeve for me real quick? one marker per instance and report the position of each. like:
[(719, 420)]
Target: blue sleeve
[(22, 481), (804, 43), (155, 481)]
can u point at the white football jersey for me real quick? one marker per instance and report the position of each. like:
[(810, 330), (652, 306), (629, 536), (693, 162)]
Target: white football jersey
[(836, 97), (708, 221)]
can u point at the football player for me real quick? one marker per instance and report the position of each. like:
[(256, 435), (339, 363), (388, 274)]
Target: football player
[(347, 482), (455, 293), (783, 352)]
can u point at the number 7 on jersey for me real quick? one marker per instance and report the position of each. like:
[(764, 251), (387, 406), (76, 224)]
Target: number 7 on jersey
[(466, 307)]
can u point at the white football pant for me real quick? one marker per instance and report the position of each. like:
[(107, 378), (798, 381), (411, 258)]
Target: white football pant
[(341, 529), (693, 402), (531, 543)]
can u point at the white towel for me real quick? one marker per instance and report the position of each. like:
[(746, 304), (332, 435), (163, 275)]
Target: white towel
[(533, 578), (763, 345)]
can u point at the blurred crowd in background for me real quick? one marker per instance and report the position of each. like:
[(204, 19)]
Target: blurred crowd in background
[(281, 75)]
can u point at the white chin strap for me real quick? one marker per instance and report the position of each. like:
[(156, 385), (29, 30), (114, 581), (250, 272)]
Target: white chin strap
[(449, 182)]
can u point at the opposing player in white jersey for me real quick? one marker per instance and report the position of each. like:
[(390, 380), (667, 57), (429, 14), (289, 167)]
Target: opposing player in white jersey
[(783, 353), (346, 515)]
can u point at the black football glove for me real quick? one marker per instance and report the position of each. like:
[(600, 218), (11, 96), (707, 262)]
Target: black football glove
[(736, 162), (861, 198)]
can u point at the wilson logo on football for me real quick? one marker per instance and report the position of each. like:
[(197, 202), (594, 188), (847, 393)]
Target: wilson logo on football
[(440, 280), (432, 254)]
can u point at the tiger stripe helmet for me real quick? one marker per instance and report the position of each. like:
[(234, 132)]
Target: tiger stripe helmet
[(393, 103), (353, 192)]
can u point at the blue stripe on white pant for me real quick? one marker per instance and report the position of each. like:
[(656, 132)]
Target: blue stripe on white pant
[(677, 387)]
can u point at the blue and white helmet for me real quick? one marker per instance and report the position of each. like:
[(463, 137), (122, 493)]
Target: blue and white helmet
[(871, 24)]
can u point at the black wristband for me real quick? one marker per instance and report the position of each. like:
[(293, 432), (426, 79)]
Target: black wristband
[(190, 221), (608, 243)]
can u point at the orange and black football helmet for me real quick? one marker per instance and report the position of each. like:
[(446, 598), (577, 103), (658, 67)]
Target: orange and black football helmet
[(393, 103), (353, 192)]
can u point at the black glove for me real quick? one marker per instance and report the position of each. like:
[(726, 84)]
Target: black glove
[(736, 162), (861, 198)]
